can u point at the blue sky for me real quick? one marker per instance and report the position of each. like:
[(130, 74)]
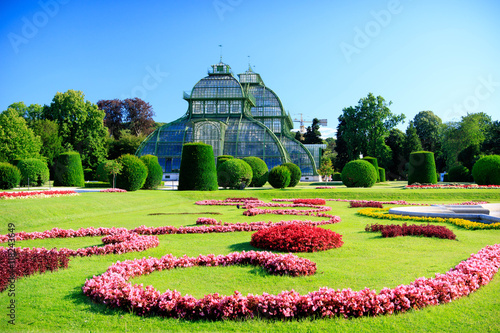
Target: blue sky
[(318, 56)]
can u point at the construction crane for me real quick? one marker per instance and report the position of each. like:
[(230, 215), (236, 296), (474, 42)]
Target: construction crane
[(322, 122)]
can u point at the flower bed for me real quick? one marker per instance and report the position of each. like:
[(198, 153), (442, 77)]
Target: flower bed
[(357, 204), (441, 186), (113, 289), (310, 201), (393, 230), (382, 214), (393, 202), (324, 187), (296, 238), (112, 190), (207, 220), (35, 194)]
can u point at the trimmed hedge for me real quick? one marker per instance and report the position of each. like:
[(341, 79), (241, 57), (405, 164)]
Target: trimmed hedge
[(197, 170), (359, 173), (259, 169), (486, 171), (374, 162), (422, 168), (69, 171), (35, 170), (10, 176), (223, 158), (459, 173), (279, 176), (381, 174), (133, 174), (337, 176), (295, 174), (235, 174), (155, 172)]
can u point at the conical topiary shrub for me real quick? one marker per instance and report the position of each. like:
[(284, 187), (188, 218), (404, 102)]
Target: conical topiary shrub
[(155, 172), (374, 162), (197, 171), (69, 171), (422, 168)]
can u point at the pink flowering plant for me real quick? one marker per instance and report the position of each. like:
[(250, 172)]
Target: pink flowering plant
[(35, 194)]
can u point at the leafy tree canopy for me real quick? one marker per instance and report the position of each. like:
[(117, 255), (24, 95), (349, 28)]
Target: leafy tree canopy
[(428, 127)]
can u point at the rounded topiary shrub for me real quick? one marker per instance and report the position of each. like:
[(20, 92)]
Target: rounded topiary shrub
[(69, 171), (279, 176), (259, 170), (374, 162), (223, 158), (381, 174), (235, 174), (337, 177), (155, 172), (359, 173), (133, 175), (296, 238), (486, 171), (459, 173), (422, 168), (33, 170), (10, 176), (295, 174), (197, 170)]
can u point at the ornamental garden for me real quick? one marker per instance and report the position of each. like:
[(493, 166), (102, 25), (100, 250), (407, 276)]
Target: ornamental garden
[(241, 247)]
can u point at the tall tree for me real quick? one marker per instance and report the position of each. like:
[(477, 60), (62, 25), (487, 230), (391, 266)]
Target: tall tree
[(29, 113), (81, 126), (48, 131), (313, 135), (412, 141), (126, 144), (343, 154), (397, 165), (17, 140), (113, 118), (140, 115), (491, 143), (428, 127)]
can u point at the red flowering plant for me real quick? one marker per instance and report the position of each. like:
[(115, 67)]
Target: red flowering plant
[(35, 194), (207, 220), (296, 238), (310, 201), (394, 230), (357, 204)]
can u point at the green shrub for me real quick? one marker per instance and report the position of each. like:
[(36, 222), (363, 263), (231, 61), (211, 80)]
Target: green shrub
[(381, 174), (422, 168), (88, 174), (459, 173), (102, 175), (359, 173), (486, 171), (223, 158), (197, 171), (235, 174), (295, 174), (69, 171), (337, 176), (155, 172), (34, 170), (446, 177), (10, 176), (279, 176), (374, 162), (259, 169), (134, 173)]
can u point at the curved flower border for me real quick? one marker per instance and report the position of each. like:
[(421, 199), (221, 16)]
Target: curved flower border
[(35, 194), (112, 288)]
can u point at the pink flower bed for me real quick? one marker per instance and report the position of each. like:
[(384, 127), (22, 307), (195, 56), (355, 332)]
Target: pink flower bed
[(112, 190), (207, 220), (310, 201), (34, 194), (438, 186), (394, 230), (112, 288), (296, 238), (324, 187), (358, 204), (393, 202)]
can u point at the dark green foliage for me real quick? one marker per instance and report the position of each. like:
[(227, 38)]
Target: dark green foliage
[(422, 168), (88, 174), (101, 174), (295, 174), (235, 174), (69, 171), (381, 174), (259, 169), (469, 156), (133, 174), (34, 169), (155, 172), (486, 171), (446, 177), (223, 158), (374, 162), (10, 176), (459, 173), (359, 173), (279, 176), (337, 176), (197, 171)]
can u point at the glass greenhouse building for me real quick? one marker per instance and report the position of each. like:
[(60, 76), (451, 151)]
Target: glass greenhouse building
[(237, 117)]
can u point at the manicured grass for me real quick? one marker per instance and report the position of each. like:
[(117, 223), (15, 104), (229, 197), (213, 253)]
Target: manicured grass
[(54, 301)]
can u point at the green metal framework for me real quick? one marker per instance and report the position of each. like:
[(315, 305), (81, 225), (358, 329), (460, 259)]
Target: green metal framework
[(239, 118)]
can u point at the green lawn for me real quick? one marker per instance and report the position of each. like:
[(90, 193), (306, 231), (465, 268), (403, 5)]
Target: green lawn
[(54, 301)]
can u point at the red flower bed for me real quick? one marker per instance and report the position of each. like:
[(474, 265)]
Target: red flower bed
[(357, 204), (296, 238), (34, 194), (207, 220), (310, 201), (394, 230), (113, 289), (25, 262)]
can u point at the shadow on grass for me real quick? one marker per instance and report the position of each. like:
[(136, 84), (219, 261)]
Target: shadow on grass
[(245, 246)]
